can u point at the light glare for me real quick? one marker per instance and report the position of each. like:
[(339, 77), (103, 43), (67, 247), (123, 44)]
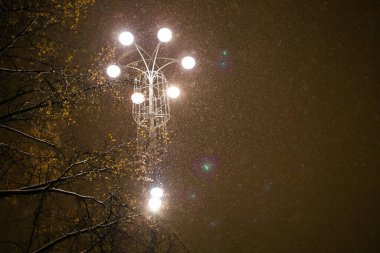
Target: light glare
[(188, 62), (154, 204), (164, 35), (113, 71), (157, 192), (126, 38), (137, 98), (173, 92)]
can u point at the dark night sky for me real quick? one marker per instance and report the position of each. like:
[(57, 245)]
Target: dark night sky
[(288, 121)]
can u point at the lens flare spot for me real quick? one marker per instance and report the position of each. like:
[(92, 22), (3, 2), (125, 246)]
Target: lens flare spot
[(224, 61), (206, 167)]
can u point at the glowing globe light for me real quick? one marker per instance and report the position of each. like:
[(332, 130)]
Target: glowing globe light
[(173, 92), (157, 192), (154, 204), (164, 35), (188, 62), (113, 71), (137, 98), (126, 38)]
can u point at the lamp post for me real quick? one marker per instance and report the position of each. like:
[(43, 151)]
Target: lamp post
[(151, 92)]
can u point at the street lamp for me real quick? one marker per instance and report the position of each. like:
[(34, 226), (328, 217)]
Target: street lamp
[(126, 38), (113, 71), (154, 204), (137, 98), (155, 201), (157, 192), (164, 35), (188, 62), (173, 92), (150, 98)]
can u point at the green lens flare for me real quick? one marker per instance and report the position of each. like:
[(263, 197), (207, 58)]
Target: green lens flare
[(206, 167)]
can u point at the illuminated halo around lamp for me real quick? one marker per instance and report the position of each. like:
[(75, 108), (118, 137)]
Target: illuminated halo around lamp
[(126, 38), (137, 98), (113, 71), (188, 62), (164, 35), (157, 192), (173, 92), (154, 204)]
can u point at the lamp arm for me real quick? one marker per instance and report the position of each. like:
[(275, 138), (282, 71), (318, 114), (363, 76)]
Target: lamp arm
[(155, 52), (167, 64), (142, 57)]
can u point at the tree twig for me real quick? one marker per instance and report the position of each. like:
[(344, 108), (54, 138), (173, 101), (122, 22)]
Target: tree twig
[(27, 135)]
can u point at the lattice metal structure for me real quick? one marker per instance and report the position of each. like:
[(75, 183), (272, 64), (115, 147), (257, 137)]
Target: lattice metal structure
[(154, 112)]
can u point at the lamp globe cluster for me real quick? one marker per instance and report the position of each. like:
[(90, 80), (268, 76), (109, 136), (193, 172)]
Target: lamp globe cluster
[(164, 35)]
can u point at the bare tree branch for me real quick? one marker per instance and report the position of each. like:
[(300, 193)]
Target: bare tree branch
[(16, 149), (9, 193), (24, 70), (19, 94), (60, 181), (17, 37), (28, 109), (35, 222), (27, 135), (104, 224)]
